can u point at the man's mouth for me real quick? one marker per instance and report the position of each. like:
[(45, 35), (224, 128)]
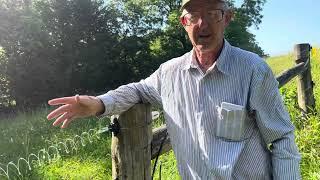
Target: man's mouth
[(204, 35)]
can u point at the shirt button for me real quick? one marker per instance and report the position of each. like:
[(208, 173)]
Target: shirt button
[(202, 130)]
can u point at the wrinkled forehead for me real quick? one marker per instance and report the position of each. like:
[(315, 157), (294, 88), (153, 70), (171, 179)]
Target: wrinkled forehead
[(198, 5), (202, 5)]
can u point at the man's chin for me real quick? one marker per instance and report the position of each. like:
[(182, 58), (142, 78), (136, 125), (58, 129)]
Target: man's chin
[(204, 48)]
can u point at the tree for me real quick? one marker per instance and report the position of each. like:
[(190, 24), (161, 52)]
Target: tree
[(247, 15), (167, 38), (4, 88), (62, 47), (22, 40), (53, 46)]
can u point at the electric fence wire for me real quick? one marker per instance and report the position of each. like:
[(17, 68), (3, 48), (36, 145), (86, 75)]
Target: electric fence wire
[(54, 151)]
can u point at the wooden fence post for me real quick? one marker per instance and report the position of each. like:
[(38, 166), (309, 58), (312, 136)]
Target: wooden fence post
[(131, 147), (305, 84)]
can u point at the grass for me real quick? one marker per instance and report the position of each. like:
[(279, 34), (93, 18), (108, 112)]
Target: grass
[(307, 129), (31, 132)]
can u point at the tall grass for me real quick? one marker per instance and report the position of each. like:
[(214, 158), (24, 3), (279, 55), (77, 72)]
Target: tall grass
[(307, 128), (29, 132)]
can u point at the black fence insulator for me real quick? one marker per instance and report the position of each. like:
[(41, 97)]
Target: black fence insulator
[(114, 127)]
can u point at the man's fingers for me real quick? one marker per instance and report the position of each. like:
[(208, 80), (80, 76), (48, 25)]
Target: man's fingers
[(64, 111), (63, 100), (57, 112), (61, 119), (66, 122)]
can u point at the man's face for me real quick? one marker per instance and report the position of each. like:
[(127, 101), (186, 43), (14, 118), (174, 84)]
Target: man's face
[(206, 34)]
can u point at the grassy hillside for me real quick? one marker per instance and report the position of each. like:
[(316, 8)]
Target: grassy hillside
[(307, 129), (31, 132)]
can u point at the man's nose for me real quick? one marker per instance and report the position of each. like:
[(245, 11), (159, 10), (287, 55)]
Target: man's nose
[(203, 22)]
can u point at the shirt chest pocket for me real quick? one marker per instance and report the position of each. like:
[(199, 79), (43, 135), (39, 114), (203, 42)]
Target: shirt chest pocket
[(233, 122)]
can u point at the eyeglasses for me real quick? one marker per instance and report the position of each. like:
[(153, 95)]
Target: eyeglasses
[(213, 16)]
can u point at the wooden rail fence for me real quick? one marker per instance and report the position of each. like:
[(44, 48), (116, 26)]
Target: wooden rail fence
[(137, 143)]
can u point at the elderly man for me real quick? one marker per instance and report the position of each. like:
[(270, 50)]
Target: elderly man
[(224, 114)]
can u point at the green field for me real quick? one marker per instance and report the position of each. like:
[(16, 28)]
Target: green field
[(30, 132)]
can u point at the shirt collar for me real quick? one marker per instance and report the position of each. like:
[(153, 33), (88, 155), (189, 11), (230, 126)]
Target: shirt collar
[(221, 62)]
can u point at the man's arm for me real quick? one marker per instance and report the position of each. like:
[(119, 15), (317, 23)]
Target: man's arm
[(113, 102), (274, 123), (124, 97)]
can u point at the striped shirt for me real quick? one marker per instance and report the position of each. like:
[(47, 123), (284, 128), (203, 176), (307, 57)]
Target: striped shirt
[(227, 123)]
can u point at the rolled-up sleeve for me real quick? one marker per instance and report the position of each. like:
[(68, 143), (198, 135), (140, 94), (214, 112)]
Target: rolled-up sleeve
[(121, 99), (274, 123)]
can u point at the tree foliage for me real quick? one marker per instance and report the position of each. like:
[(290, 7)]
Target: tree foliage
[(54, 48)]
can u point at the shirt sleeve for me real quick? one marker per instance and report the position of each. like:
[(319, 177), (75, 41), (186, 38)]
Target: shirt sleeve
[(121, 99), (274, 123)]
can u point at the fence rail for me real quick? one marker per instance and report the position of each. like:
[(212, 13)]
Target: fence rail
[(136, 143)]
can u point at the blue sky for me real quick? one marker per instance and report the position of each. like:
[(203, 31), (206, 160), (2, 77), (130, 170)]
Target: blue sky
[(288, 22)]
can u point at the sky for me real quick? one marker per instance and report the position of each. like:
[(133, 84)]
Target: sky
[(288, 22)]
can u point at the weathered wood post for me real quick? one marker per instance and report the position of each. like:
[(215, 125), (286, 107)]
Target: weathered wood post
[(305, 84), (131, 147)]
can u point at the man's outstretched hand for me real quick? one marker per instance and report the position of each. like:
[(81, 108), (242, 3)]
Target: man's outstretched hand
[(74, 107)]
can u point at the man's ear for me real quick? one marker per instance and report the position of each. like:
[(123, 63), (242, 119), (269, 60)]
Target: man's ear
[(229, 15), (183, 21)]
